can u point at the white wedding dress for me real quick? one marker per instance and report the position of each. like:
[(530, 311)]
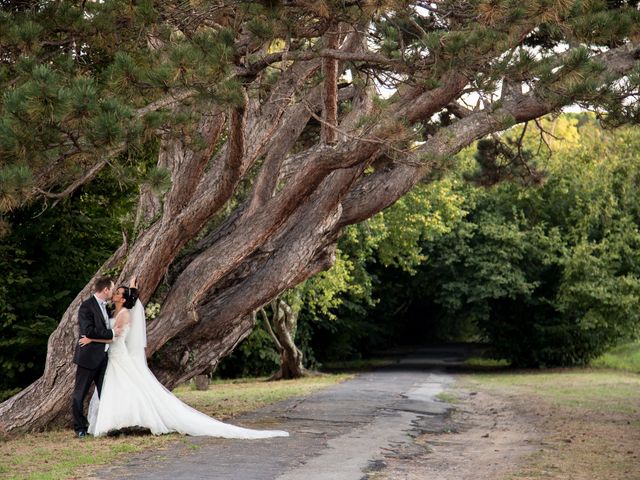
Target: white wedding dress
[(132, 396)]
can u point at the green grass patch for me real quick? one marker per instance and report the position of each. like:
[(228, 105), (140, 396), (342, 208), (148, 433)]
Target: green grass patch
[(447, 397), (625, 357), (227, 398), (58, 455), (588, 418), (579, 388)]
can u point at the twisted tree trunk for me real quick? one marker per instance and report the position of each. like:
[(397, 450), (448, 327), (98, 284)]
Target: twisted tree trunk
[(282, 328)]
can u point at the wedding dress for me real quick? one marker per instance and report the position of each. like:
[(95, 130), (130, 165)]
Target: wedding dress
[(132, 396)]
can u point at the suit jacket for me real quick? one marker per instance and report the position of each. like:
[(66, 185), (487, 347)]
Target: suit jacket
[(92, 325)]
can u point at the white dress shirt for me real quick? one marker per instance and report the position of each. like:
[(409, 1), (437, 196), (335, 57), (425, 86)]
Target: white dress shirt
[(105, 316)]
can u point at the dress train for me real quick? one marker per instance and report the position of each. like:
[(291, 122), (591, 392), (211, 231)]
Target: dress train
[(132, 396)]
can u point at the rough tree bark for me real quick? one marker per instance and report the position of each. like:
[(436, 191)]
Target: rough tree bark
[(289, 189), (282, 328)]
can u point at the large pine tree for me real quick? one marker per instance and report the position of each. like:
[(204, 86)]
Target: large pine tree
[(277, 123)]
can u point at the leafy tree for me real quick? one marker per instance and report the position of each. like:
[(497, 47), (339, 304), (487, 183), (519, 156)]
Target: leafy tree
[(271, 148), (548, 275), (47, 257), (14, 275)]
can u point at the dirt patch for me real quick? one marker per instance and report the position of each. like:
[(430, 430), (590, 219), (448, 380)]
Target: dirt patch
[(486, 437), (585, 444)]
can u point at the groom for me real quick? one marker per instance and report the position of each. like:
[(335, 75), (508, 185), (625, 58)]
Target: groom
[(92, 358)]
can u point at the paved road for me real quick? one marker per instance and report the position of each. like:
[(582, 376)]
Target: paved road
[(339, 433)]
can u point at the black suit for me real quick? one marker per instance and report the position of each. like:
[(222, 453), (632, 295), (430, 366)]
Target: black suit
[(91, 359)]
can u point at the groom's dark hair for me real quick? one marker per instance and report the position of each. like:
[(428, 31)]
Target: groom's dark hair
[(101, 283)]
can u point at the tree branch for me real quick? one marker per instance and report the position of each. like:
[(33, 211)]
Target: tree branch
[(330, 88), (267, 324), (367, 57), (173, 99), (87, 177)]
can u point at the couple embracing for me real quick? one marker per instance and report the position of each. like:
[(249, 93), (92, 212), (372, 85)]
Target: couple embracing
[(111, 354)]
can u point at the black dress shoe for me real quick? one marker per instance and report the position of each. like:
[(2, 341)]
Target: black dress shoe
[(81, 434)]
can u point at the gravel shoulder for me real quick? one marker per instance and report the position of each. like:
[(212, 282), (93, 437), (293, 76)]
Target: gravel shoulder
[(485, 437)]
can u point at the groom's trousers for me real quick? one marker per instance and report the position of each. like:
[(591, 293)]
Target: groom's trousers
[(84, 378)]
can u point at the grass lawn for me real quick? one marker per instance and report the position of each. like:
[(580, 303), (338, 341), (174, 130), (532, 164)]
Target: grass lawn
[(589, 420), (226, 398), (59, 455), (625, 357)]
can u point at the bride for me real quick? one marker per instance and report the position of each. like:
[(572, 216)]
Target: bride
[(131, 394)]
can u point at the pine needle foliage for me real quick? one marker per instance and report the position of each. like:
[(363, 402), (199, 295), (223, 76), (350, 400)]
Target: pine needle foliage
[(73, 75)]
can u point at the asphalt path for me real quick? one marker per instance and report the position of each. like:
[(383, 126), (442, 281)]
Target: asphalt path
[(343, 432)]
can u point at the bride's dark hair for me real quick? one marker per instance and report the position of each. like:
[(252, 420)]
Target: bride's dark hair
[(130, 296)]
